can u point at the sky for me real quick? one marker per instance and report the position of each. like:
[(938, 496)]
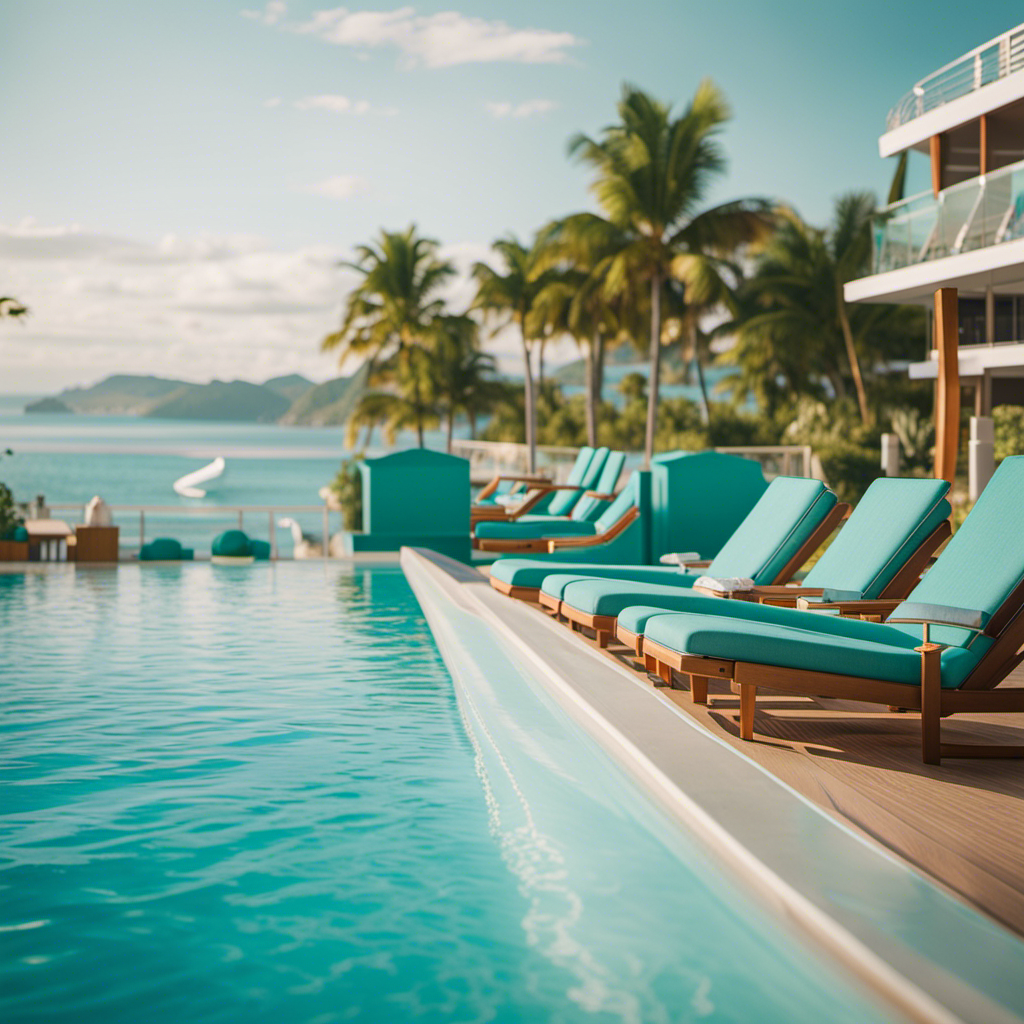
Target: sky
[(179, 179)]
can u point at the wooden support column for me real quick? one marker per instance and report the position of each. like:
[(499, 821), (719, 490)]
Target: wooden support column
[(947, 392), (935, 152)]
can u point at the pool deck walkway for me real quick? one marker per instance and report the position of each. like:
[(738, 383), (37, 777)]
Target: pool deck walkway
[(960, 823)]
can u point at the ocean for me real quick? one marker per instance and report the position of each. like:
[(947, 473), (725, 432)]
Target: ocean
[(127, 460)]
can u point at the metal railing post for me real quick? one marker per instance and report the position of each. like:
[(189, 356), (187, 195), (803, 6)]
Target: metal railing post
[(241, 516), (272, 535), (142, 528)]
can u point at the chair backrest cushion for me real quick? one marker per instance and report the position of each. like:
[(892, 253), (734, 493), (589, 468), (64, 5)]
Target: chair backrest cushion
[(589, 509), (562, 502), (775, 529), (888, 525), (617, 509), (983, 563)]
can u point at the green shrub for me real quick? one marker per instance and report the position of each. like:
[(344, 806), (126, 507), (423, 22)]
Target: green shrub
[(9, 518), (849, 468), (347, 487), (1008, 423)]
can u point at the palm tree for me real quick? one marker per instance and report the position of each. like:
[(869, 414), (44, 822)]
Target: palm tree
[(507, 297), (462, 375), (391, 311), (791, 324), (653, 173), (849, 244), (576, 252)]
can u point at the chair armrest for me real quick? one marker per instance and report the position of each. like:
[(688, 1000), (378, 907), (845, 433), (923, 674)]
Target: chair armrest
[(702, 563), (873, 606), (594, 539), (525, 478), (599, 496), (940, 615)]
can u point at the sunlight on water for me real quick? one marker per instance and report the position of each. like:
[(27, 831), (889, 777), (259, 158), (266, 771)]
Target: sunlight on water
[(250, 794)]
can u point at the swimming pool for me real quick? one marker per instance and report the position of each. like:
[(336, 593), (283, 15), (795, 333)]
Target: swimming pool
[(251, 794)]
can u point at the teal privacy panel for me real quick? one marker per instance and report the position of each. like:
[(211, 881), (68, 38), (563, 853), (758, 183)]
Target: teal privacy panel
[(416, 493), (698, 499)]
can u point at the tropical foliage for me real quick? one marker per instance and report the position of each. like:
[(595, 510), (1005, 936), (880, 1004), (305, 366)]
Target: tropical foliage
[(653, 173), (746, 284)]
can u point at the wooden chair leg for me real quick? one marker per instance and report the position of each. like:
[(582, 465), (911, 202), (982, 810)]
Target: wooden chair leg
[(748, 704), (699, 689), (650, 664), (665, 673), (931, 702), (603, 637)]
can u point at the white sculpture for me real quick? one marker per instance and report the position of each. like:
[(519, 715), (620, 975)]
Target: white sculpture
[(97, 513)]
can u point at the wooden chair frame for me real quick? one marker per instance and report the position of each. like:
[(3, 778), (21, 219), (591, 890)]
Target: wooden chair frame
[(977, 694), (550, 545), (795, 597)]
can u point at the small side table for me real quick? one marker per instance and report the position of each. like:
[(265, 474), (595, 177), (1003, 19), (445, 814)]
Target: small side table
[(96, 544)]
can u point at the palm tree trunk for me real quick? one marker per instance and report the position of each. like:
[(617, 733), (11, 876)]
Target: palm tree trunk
[(451, 427), (471, 414), (599, 368), (530, 409), (851, 355), (540, 366), (655, 372), (591, 388), (705, 409)]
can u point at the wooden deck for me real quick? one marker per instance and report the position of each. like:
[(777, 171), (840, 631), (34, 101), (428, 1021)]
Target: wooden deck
[(961, 823)]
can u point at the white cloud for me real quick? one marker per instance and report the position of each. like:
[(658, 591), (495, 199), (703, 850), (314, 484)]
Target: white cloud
[(198, 307), (526, 109), (274, 101), (270, 15), (434, 40), (335, 104), (342, 186)]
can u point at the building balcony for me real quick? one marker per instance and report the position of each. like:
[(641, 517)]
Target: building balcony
[(983, 66), (985, 211)]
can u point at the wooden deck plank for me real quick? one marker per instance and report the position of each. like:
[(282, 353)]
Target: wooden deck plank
[(960, 823)]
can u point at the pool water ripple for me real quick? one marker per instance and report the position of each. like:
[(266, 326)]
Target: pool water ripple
[(252, 795)]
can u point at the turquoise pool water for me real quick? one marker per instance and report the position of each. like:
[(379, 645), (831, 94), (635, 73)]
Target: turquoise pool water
[(250, 795)]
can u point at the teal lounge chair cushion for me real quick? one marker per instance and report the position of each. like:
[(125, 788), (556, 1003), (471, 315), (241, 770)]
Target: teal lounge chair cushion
[(561, 502), (889, 524), (783, 519), (531, 572), (582, 584), (846, 646), (539, 527), (589, 508), (983, 563), (583, 459), (542, 527)]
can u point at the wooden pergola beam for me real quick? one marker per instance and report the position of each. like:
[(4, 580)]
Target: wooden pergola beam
[(947, 394)]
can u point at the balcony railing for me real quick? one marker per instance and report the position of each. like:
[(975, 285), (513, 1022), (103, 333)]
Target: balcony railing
[(972, 215), (984, 65)]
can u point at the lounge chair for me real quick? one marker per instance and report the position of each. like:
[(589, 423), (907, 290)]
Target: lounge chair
[(545, 497), (553, 536), (942, 651), (789, 522), (588, 509), (873, 563)]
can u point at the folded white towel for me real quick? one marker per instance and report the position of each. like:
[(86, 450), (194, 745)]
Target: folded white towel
[(508, 500), (679, 557), (725, 584)]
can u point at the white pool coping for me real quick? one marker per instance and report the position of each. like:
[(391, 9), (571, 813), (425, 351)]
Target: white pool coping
[(930, 955)]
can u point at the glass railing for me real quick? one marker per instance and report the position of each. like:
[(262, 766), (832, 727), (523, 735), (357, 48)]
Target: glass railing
[(988, 63), (972, 215)]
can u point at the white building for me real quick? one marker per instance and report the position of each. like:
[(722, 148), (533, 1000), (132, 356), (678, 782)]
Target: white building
[(966, 233)]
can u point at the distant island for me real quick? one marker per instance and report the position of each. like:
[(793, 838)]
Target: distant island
[(290, 399)]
